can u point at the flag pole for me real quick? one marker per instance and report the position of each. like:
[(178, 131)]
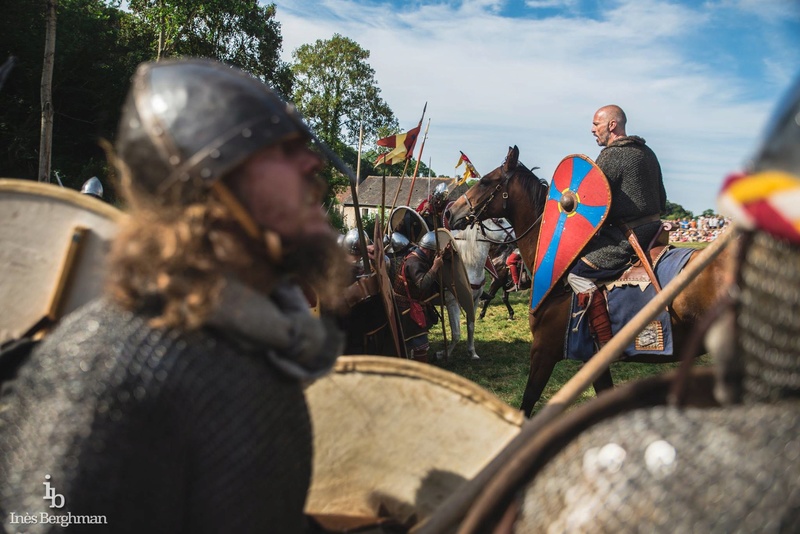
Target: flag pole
[(400, 185), (416, 167), (358, 160)]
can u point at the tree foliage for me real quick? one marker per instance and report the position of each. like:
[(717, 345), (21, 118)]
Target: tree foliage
[(336, 91), (94, 58), (240, 32), (98, 47), (676, 212)]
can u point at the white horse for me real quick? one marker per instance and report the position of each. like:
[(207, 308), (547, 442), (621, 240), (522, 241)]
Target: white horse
[(473, 248)]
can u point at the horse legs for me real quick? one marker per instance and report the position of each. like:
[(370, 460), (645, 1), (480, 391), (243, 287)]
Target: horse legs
[(508, 305), (471, 328), (542, 366), (484, 306), (547, 348), (454, 319), (487, 296), (603, 382)]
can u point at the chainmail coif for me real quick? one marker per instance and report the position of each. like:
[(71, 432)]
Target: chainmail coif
[(157, 430)]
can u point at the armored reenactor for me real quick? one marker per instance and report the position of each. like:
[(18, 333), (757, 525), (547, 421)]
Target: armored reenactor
[(638, 198), (416, 289), (174, 403), (432, 208), (722, 464)]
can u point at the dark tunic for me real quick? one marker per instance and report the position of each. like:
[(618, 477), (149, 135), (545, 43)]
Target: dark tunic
[(423, 287), (157, 430), (637, 191)]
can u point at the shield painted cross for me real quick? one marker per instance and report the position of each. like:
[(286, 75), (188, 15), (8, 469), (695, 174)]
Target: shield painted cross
[(577, 204)]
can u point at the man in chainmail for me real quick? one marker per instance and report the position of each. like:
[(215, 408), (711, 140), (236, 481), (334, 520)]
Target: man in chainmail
[(174, 403), (637, 200), (416, 286), (734, 467)]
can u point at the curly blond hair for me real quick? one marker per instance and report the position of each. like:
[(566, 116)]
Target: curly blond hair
[(171, 260)]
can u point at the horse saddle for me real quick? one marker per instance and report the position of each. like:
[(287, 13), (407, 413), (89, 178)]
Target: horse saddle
[(626, 296), (636, 274)]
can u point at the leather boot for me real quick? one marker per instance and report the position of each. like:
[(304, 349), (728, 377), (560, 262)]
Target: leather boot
[(597, 313), (420, 355)]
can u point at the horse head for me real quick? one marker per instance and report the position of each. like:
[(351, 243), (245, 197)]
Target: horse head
[(491, 196)]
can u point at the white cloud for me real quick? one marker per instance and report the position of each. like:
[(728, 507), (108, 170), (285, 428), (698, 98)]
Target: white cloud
[(493, 81)]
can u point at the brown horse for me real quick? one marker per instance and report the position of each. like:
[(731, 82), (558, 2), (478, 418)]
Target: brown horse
[(514, 192)]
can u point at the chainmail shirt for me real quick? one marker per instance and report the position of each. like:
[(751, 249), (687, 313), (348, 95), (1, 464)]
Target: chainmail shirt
[(157, 430), (637, 190), (670, 470)]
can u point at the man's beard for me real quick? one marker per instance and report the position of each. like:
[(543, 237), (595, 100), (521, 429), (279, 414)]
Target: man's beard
[(318, 262)]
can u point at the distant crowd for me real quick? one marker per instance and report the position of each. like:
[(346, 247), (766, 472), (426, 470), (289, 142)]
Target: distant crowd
[(698, 229)]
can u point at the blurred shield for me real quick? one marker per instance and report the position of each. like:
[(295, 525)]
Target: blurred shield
[(394, 438), (55, 242)]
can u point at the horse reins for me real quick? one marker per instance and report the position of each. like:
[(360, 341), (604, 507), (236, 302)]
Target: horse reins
[(474, 214)]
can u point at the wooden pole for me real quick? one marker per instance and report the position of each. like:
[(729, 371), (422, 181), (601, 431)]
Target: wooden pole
[(46, 130), (419, 158)]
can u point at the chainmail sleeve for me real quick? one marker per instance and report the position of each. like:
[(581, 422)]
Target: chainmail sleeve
[(153, 431)]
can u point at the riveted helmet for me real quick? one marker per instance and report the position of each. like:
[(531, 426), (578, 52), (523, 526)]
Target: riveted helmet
[(93, 187), (428, 241), (400, 243), (440, 192), (351, 243), (187, 123)]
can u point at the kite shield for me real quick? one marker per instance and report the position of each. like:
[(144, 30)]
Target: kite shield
[(454, 275), (408, 222), (577, 205)]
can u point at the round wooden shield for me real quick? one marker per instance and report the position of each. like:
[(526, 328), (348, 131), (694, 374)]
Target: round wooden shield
[(55, 241), (577, 204), (394, 438), (408, 222)]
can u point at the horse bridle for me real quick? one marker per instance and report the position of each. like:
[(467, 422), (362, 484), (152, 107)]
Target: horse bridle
[(473, 216)]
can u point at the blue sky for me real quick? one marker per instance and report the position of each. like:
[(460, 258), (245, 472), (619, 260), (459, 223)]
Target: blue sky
[(697, 79)]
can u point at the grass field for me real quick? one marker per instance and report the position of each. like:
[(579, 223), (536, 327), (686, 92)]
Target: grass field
[(504, 348)]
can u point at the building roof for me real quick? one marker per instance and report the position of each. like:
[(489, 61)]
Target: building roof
[(370, 191)]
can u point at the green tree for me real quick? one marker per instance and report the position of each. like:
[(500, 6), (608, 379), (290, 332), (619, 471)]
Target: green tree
[(239, 32), (95, 55), (676, 211), (336, 91)]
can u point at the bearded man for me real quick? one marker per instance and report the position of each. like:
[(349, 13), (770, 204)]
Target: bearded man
[(174, 403), (638, 198)]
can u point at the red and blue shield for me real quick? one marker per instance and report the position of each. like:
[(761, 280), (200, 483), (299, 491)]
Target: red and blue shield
[(577, 205)]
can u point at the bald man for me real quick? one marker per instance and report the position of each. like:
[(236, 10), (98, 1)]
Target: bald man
[(638, 199)]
